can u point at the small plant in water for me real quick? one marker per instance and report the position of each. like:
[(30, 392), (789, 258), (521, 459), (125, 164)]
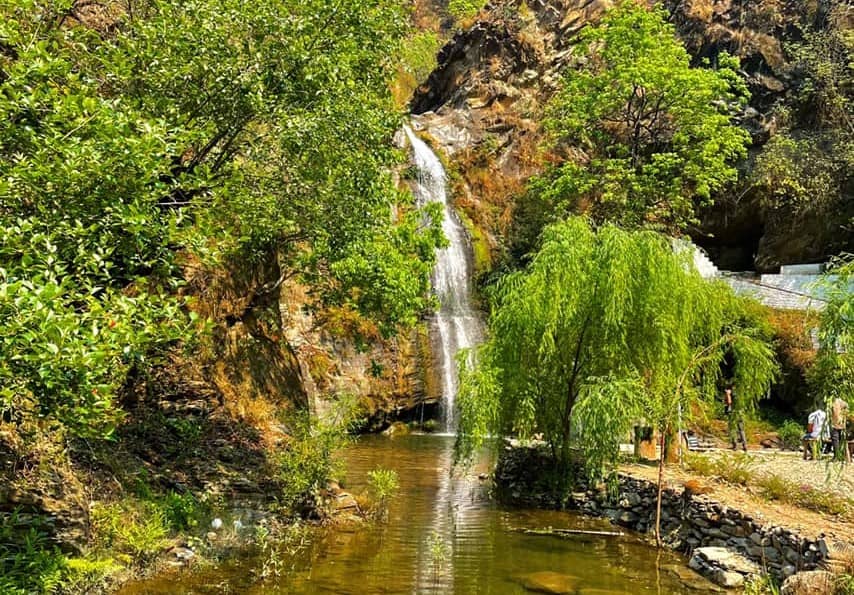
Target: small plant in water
[(271, 560), (383, 484), (439, 551)]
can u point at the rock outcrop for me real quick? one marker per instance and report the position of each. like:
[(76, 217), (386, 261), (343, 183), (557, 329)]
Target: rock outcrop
[(483, 103)]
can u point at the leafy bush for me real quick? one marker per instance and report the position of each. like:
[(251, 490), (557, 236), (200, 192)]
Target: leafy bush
[(791, 434), (700, 464), (309, 458), (29, 563), (183, 511), (137, 529), (642, 167), (761, 585), (419, 54), (734, 469), (775, 487), (462, 10)]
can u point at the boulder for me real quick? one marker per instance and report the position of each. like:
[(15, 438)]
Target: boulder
[(398, 428), (813, 582), (723, 566), (549, 582), (344, 501), (726, 559)]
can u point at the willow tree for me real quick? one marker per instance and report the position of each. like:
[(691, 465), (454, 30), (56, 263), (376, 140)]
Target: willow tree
[(603, 328), (832, 375)]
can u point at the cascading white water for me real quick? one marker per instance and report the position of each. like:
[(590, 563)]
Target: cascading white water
[(457, 323)]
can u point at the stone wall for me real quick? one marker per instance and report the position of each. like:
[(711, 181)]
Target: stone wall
[(726, 544)]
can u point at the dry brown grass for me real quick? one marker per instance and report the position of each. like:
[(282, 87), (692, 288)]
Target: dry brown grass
[(792, 336), (701, 10)]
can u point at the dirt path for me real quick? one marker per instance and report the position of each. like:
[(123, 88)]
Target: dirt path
[(747, 499)]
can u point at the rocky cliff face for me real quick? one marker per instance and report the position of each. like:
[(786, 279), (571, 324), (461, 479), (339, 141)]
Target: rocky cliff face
[(482, 104)]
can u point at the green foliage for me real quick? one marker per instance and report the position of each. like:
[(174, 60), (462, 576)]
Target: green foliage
[(183, 512), (804, 174), (603, 328), (761, 585), (439, 551), (203, 130), (419, 54), (463, 10), (806, 496), (832, 375), (736, 469), (28, 561), (309, 459), (655, 133), (806, 168), (31, 563), (791, 433), (383, 484), (821, 61), (136, 528)]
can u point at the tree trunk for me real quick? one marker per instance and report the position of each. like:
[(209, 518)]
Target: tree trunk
[(660, 487)]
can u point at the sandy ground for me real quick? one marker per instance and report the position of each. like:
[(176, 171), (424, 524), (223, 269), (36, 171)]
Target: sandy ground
[(820, 474)]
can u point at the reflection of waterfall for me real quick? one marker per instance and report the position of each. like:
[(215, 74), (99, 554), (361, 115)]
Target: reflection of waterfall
[(457, 323)]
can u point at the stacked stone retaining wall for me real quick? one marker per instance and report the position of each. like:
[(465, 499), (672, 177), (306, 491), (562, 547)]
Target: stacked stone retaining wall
[(689, 521)]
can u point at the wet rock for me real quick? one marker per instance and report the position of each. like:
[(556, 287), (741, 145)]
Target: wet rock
[(549, 582), (723, 566), (627, 517), (183, 555), (344, 501), (728, 579), (726, 559), (398, 428)]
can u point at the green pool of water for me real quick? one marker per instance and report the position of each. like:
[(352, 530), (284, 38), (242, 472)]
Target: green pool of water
[(444, 535)]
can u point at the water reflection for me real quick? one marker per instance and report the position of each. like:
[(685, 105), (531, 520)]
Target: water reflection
[(445, 536)]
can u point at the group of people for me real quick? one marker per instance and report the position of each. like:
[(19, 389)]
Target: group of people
[(822, 435)]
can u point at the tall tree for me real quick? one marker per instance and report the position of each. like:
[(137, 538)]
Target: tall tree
[(603, 328), (832, 374), (647, 138), (132, 133)]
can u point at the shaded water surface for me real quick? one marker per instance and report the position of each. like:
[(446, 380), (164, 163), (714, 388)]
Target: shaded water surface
[(444, 536)]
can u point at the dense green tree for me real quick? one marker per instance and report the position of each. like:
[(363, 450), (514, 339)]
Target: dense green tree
[(604, 328), (134, 135), (805, 169), (647, 138)]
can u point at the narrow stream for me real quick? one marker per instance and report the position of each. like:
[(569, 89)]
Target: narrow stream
[(445, 536)]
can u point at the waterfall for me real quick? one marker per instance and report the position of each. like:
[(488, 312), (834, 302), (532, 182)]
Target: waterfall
[(457, 324)]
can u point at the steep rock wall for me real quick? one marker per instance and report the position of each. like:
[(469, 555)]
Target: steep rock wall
[(483, 103)]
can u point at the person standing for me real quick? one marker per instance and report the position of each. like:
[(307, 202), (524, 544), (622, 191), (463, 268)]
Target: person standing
[(816, 433), (838, 420), (735, 419)]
